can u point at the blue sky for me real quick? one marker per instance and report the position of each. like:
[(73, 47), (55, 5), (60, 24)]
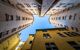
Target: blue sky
[(39, 23)]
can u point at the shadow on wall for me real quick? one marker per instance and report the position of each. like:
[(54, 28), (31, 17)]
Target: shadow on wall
[(39, 23)]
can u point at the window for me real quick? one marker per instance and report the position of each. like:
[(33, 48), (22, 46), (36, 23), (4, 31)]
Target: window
[(75, 33), (61, 25), (0, 34), (44, 30), (59, 18), (63, 18), (71, 34), (70, 17), (61, 35), (72, 28), (57, 24), (7, 17), (23, 18), (30, 42), (66, 26), (77, 29), (68, 8), (51, 46), (28, 5), (46, 35), (11, 17), (14, 29), (67, 33), (17, 17), (19, 27), (26, 18), (5, 33), (74, 45)]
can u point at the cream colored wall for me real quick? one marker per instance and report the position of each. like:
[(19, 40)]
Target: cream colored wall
[(9, 25), (61, 42), (10, 43), (70, 23), (11, 11)]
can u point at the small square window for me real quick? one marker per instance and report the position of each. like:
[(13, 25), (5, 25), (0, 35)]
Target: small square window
[(7, 17), (11, 17), (30, 42), (23, 18), (46, 36), (14, 29)]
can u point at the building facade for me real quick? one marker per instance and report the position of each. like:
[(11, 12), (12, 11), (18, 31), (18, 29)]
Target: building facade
[(15, 15), (12, 19), (28, 43), (53, 39), (66, 15), (10, 42)]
